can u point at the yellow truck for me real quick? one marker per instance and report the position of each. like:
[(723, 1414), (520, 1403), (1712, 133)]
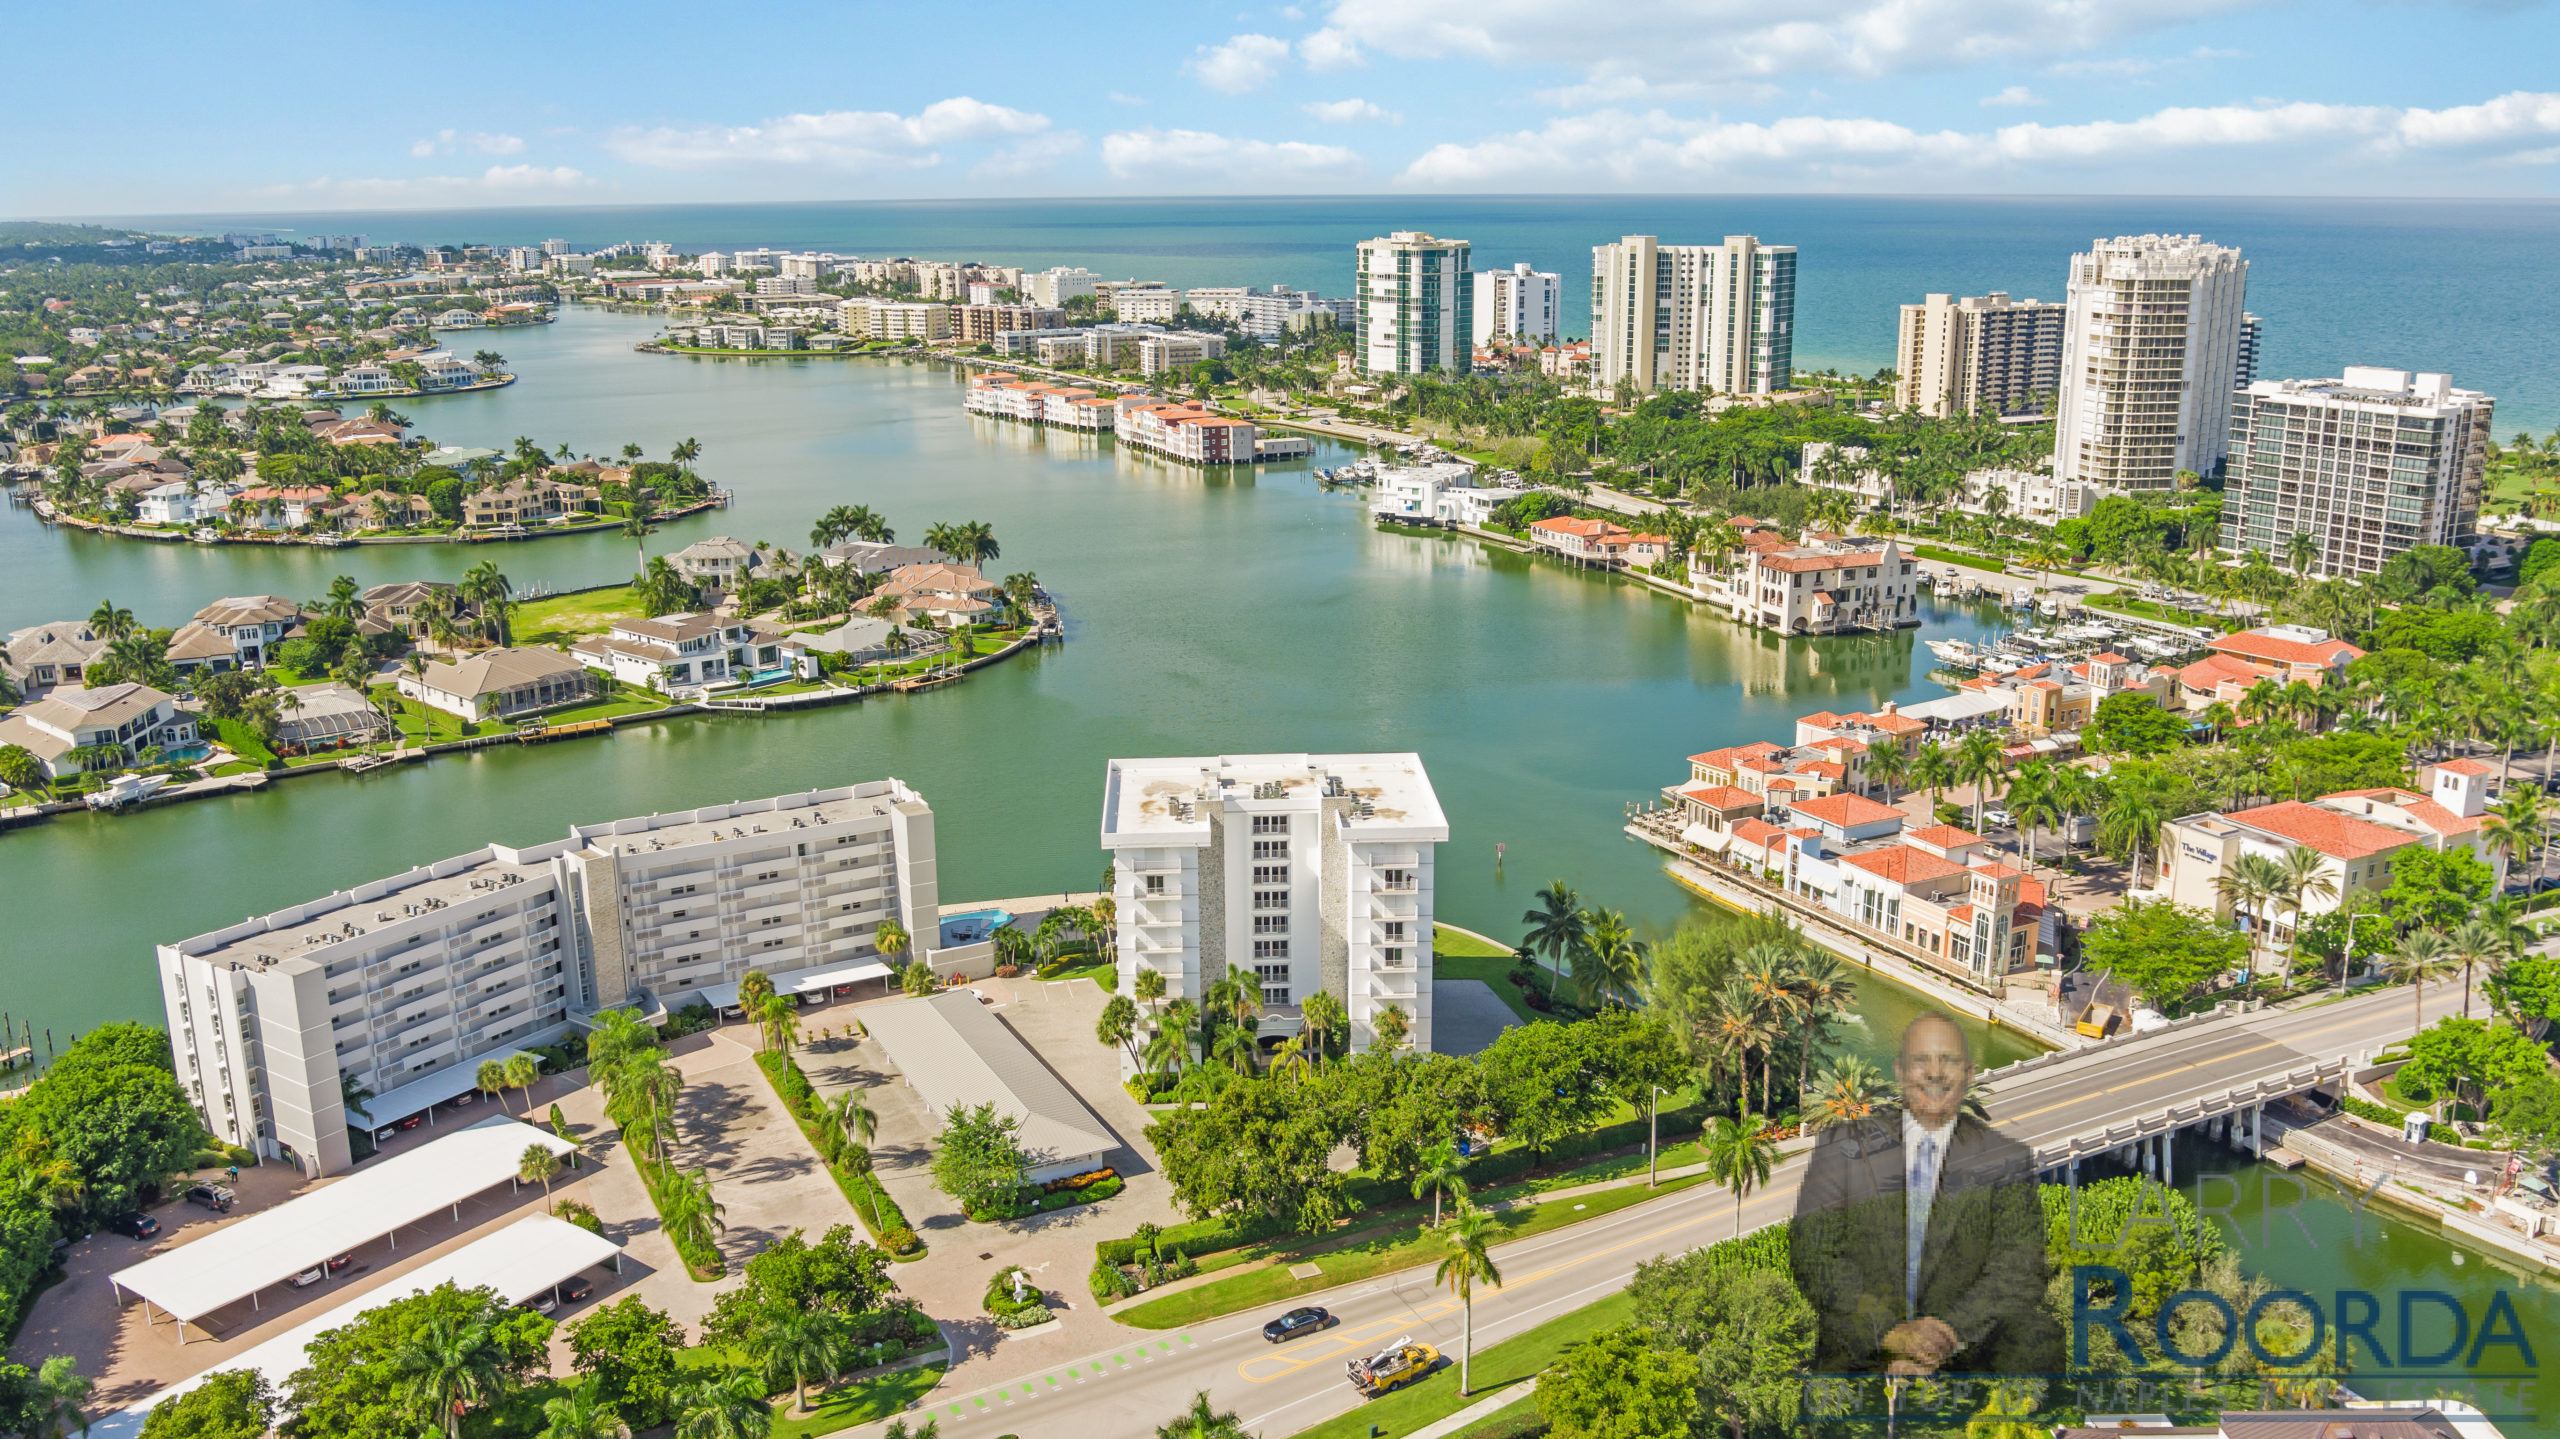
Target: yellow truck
[(1392, 1368)]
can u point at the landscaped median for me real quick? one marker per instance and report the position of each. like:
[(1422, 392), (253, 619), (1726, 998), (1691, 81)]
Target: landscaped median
[(846, 1160), (1520, 1357), (1380, 1249)]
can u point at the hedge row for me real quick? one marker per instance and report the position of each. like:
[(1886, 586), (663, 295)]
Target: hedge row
[(862, 1189)]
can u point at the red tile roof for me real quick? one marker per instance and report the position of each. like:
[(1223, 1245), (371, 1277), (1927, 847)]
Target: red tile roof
[(2260, 645), (1945, 836), (2214, 671), (1902, 864), (2339, 836), (1846, 811), (1721, 796), (2417, 806), (2471, 767)]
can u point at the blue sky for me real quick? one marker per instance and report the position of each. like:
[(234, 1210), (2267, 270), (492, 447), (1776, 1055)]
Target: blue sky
[(149, 108)]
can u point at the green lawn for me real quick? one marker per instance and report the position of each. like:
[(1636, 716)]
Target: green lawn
[(2125, 604), (1463, 956), (563, 618), (1959, 557), (862, 1403), (1516, 1420), (1400, 1248), (1508, 1362), (623, 701), (1100, 972)]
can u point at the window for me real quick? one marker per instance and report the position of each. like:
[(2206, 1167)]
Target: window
[(1271, 924), (1155, 884), (1271, 874), (1271, 899), (1271, 949), (1395, 929), (1271, 824), (1270, 849)]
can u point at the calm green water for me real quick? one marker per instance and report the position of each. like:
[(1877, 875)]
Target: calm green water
[(1205, 613)]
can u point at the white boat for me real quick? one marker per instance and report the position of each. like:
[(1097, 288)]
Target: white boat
[(203, 535), (1957, 653), (127, 789)]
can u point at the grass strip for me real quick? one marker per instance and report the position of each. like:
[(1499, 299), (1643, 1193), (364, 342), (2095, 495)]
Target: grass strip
[(1508, 1362)]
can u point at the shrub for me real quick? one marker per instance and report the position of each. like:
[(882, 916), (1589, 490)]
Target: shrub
[(1109, 1281), (577, 1213), (1008, 971)]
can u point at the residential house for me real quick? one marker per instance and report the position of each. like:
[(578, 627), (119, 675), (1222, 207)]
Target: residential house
[(130, 718), (671, 652), (530, 500), (194, 647), (255, 625), (329, 715), (872, 557), (500, 684), (720, 565), (1821, 584), (402, 606), (40, 657)]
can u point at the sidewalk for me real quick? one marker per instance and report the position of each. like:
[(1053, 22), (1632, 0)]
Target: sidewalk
[(1481, 1410)]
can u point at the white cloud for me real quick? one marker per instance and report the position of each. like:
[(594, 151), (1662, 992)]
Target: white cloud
[(1030, 156), (1712, 40), (2014, 95), (1241, 165), (832, 139), (478, 142), (2143, 67), (1351, 112), (1121, 97), (1244, 62), (1627, 149), (1331, 49), (513, 183)]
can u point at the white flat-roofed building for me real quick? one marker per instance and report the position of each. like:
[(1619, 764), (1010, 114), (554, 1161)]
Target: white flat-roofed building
[(1438, 494), (1519, 302), (1159, 354), (1717, 318), (2369, 465), (1306, 872), (1415, 305), (403, 986), (1145, 304), (1055, 287)]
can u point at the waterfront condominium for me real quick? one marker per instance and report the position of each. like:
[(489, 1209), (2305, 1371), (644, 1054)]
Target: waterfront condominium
[(1415, 305), (1718, 318), (372, 1004), (1984, 354), (2151, 348), (1301, 872), (1519, 303), (2367, 465)]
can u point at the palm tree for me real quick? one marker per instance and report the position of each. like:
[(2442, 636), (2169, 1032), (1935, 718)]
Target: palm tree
[(1738, 1157), (1932, 769), (538, 1165), (2514, 826), (687, 451), (1323, 1014), (856, 1121), (2304, 877), (492, 595), (1557, 927), (1978, 761), (1889, 765), (446, 1367), (523, 1071), (110, 621), (802, 1343), (1606, 965), (1203, 1420), (1849, 1088), (1465, 1265), (580, 1413), (2130, 817), (693, 1217), (1117, 1026), (1442, 1172), (2251, 885), (491, 1078), (2423, 955), (727, 1406), (53, 1406), (890, 940), (345, 600), (2479, 944), (640, 515)]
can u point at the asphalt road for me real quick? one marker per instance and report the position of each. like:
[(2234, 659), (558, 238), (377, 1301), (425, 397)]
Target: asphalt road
[(1281, 1389)]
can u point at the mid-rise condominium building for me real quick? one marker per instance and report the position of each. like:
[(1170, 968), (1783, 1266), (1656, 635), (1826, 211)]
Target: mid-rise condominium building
[(1719, 318), (2368, 465), (1416, 307), (1982, 353), (1304, 873), (2151, 348), (1519, 302), (402, 987)]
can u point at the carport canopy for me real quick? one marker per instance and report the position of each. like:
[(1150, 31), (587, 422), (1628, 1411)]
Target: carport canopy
[(451, 1082), (240, 1259), (808, 980), (956, 1052), (519, 1262)]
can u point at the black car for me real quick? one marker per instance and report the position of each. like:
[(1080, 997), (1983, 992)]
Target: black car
[(134, 1226), (573, 1290), (1297, 1322)]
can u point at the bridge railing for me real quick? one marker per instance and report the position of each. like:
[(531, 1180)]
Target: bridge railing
[(2173, 1117), (2017, 1067)]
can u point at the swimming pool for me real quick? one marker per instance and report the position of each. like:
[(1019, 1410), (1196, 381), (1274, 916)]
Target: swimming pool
[(186, 754), (971, 926)]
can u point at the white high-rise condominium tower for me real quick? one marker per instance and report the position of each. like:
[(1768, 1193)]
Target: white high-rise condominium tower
[(1719, 318), (1519, 302), (2367, 465), (403, 987), (1984, 353), (2150, 357), (1304, 872), (1415, 305)]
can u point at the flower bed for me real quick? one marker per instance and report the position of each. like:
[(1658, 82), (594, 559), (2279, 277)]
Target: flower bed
[(848, 1162), (1057, 1194)]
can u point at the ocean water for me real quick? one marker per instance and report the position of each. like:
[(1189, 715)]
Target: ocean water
[(2461, 286)]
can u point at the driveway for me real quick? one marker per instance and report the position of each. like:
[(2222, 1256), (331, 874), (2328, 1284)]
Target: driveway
[(1056, 1020)]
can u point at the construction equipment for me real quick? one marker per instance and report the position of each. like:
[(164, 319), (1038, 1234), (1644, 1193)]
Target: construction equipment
[(1392, 1368)]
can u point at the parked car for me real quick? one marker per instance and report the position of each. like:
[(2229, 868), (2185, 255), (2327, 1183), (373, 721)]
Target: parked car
[(1298, 1321), (412, 1122), (542, 1303), (210, 1196), (134, 1226), (341, 1262), (1996, 817), (309, 1277), (576, 1289)]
